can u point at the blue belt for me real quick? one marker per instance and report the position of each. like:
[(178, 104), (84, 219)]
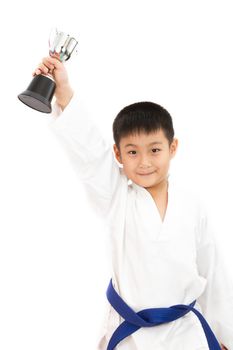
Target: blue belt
[(151, 317)]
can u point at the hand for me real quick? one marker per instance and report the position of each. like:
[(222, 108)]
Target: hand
[(52, 66), (223, 347)]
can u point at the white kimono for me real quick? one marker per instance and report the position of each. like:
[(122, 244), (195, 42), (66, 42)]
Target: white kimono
[(155, 263)]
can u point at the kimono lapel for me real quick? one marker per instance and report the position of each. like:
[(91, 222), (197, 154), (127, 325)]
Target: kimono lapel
[(151, 212)]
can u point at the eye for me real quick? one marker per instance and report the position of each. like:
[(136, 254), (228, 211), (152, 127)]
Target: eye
[(131, 151), (156, 149)]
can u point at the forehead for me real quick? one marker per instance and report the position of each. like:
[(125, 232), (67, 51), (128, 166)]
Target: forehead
[(144, 139)]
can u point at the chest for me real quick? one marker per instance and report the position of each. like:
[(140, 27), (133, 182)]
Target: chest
[(138, 232), (161, 206), (158, 217)]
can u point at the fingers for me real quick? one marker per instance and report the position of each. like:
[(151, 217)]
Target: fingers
[(47, 65), (36, 72), (42, 69), (52, 61)]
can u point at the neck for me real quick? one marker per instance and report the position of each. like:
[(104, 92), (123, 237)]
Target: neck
[(158, 189)]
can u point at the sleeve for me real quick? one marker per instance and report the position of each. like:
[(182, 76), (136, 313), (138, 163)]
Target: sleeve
[(91, 157), (217, 298)]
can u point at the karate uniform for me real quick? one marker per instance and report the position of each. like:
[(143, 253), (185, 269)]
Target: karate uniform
[(155, 263)]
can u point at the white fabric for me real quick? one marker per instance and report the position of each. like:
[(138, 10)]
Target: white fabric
[(155, 263)]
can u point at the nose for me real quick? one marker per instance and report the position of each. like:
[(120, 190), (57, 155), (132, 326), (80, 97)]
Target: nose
[(145, 162)]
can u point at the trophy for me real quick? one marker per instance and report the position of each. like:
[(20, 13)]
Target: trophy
[(40, 91)]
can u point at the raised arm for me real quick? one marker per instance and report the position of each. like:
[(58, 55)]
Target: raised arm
[(91, 156)]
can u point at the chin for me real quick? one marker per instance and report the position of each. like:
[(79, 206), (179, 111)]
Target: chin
[(147, 183)]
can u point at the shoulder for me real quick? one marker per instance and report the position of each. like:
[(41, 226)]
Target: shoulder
[(190, 198)]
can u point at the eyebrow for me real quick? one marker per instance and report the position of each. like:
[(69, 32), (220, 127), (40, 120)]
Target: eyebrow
[(150, 144)]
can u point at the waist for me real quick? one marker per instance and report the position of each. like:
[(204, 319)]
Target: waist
[(151, 317)]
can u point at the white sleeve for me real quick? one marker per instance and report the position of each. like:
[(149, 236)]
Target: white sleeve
[(91, 156), (217, 298)]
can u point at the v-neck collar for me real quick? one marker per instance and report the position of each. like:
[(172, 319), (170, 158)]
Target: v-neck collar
[(147, 193)]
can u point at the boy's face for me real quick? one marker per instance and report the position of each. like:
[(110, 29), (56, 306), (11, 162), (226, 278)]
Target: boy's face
[(146, 158)]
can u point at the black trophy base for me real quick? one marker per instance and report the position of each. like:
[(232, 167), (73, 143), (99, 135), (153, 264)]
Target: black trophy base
[(39, 94)]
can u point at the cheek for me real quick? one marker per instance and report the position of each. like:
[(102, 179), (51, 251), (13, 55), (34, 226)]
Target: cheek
[(128, 163), (162, 162)]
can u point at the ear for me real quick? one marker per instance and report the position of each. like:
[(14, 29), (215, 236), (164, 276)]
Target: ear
[(117, 154), (173, 147)]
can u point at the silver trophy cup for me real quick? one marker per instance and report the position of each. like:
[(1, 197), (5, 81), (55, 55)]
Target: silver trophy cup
[(40, 91)]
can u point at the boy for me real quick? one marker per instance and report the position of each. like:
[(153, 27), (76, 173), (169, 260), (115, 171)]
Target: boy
[(166, 270)]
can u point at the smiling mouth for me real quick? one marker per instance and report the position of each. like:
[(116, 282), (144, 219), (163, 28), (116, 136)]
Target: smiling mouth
[(147, 174)]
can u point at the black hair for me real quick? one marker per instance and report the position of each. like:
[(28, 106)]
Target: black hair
[(142, 117)]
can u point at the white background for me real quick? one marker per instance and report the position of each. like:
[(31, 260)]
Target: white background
[(53, 272)]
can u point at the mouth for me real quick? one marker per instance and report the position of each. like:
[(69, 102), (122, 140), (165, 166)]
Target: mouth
[(146, 174)]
